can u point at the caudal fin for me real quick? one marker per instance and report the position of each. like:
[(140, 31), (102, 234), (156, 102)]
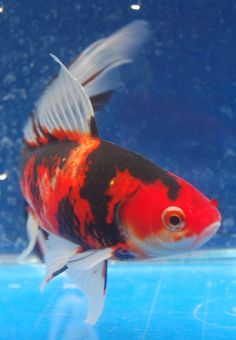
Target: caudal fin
[(97, 68)]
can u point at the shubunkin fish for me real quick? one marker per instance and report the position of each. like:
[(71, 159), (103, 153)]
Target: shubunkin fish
[(96, 200)]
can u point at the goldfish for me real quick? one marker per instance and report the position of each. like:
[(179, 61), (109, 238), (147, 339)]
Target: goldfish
[(96, 200)]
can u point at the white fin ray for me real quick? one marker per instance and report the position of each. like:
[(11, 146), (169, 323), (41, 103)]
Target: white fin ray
[(57, 255), (32, 229), (110, 53), (64, 106), (90, 258), (106, 81), (87, 51), (87, 269), (29, 133), (92, 282)]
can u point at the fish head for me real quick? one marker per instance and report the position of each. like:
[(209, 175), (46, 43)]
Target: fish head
[(159, 223)]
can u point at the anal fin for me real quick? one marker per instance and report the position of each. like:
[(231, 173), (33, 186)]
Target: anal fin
[(88, 269), (57, 255), (93, 283)]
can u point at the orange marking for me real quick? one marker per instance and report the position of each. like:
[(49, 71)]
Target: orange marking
[(60, 135)]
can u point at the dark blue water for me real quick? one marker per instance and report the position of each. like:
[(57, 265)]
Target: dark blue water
[(177, 105)]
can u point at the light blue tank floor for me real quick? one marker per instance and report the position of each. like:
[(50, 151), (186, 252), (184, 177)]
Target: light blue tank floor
[(175, 300)]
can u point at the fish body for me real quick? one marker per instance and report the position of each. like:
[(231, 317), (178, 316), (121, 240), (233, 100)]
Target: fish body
[(76, 191), (96, 199), (82, 193)]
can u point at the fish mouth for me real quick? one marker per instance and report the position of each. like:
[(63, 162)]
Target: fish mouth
[(207, 233)]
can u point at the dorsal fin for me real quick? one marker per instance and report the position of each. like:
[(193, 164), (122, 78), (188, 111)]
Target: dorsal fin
[(63, 112)]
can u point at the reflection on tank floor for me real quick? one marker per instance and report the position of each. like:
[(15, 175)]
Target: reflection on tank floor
[(167, 300)]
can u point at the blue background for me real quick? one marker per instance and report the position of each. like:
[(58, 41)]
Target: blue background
[(177, 105)]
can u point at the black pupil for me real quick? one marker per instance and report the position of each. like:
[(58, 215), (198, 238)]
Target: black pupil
[(174, 220)]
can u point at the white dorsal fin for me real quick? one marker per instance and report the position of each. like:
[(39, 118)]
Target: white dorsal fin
[(93, 283), (64, 106)]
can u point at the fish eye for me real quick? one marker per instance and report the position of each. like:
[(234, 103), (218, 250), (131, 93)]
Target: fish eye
[(173, 218)]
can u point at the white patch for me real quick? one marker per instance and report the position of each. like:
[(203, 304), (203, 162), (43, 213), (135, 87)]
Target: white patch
[(69, 286), (155, 247), (207, 234), (3, 176)]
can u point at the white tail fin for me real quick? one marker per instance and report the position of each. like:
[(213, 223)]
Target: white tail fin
[(97, 68)]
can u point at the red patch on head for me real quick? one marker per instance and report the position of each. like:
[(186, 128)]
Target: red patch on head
[(141, 214)]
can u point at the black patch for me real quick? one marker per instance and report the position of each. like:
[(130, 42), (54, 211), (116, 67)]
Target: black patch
[(124, 255), (36, 193), (59, 271), (175, 220), (38, 250), (69, 224), (105, 274), (100, 100), (93, 127), (48, 154), (103, 164)]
